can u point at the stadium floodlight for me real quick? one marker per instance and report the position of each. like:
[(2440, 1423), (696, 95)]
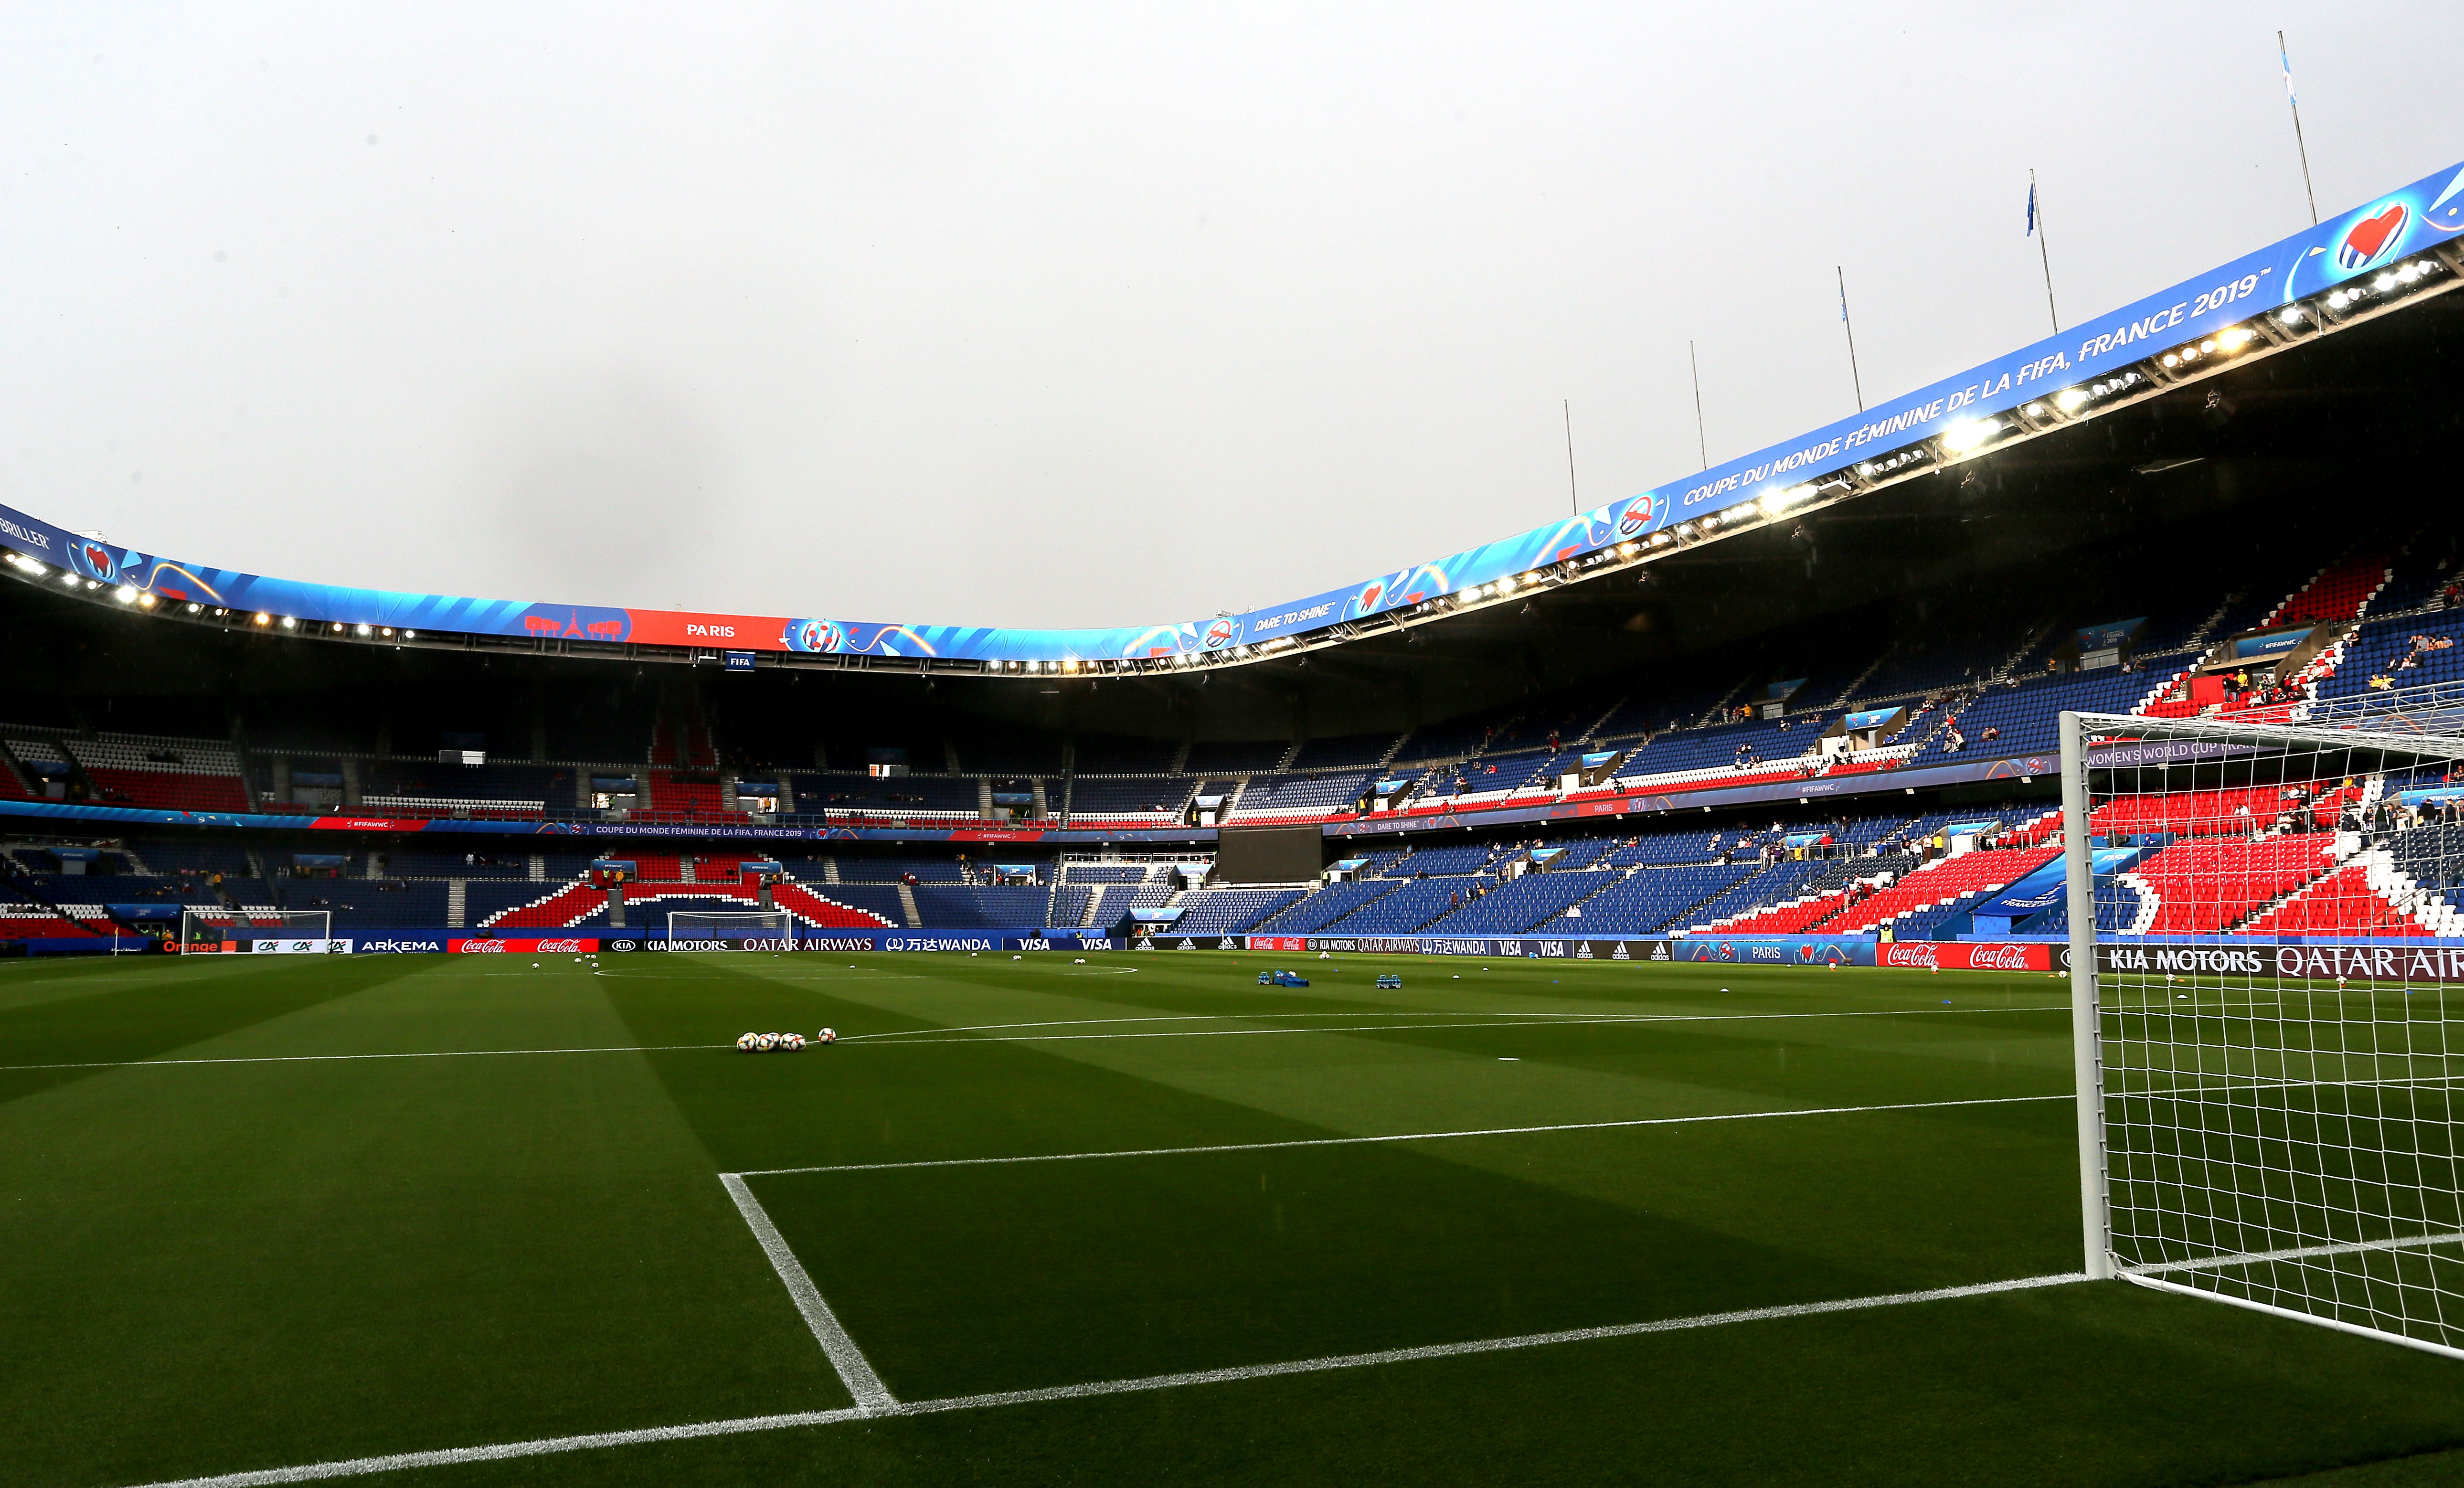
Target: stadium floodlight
[(193, 607), (1969, 434), (68, 578), (1774, 502), (290, 623), (2290, 315), (2266, 1117), (411, 635)]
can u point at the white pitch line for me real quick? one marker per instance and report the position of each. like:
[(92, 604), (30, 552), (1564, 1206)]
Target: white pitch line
[(314, 1059), (358, 1467), (456, 1457), (855, 1371), (1256, 1372), (913, 1034), (1526, 1021), (1543, 1021), (1406, 1136), (2298, 1253)]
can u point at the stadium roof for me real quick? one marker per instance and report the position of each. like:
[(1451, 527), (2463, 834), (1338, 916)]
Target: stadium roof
[(2391, 251)]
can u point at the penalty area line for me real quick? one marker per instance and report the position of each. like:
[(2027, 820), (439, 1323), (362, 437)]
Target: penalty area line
[(1404, 1136), (855, 1370), (360, 1467)]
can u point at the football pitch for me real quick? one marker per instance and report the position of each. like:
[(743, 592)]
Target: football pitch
[(465, 1220)]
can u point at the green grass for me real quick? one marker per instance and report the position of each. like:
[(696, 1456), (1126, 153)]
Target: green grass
[(286, 1257)]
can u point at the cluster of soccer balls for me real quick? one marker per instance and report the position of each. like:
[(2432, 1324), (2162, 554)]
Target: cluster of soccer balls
[(764, 1044)]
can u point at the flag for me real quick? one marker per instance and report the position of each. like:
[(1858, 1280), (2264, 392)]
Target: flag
[(2286, 58), (2031, 210)]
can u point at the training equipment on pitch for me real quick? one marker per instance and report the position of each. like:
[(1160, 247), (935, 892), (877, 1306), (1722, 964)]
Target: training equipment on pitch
[(753, 929), (830, 1036), (2265, 1119), (258, 931)]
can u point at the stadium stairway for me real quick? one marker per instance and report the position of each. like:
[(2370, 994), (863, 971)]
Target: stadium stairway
[(1941, 884), (2204, 885), (2361, 898), (569, 904)]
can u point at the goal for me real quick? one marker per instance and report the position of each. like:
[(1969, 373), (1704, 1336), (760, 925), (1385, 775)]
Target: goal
[(258, 931), (759, 930), (2267, 977)]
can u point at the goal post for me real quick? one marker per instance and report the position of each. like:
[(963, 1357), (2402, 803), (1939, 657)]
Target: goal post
[(704, 929), (2266, 981), (258, 932)]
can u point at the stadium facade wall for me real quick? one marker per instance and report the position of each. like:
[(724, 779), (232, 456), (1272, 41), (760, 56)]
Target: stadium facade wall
[(2022, 769)]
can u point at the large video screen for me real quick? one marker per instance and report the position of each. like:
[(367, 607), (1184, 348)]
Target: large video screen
[(1270, 855)]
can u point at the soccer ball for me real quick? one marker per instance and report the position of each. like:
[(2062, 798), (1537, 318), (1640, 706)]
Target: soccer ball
[(830, 1036), (791, 1042), (746, 1042), (767, 1041)]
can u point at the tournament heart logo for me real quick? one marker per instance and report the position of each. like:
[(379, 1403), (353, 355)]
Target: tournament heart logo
[(100, 560), (2373, 237), (1221, 633)]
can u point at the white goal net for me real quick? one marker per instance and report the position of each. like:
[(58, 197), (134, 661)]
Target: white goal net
[(692, 929), (2268, 1003), (258, 931)]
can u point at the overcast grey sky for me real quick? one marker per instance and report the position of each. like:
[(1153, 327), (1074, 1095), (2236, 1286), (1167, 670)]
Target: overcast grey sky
[(1044, 315)]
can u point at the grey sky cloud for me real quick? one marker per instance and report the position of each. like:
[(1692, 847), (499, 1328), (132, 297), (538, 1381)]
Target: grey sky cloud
[(1042, 316)]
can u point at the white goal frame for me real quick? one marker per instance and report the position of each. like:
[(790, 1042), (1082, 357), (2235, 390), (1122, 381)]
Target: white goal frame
[(771, 926), (310, 930), (2280, 1139)]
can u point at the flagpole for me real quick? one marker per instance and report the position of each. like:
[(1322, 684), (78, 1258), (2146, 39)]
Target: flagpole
[(2299, 143), (1854, 378), (2037, 224), (1572, 494), (1701, 443)]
